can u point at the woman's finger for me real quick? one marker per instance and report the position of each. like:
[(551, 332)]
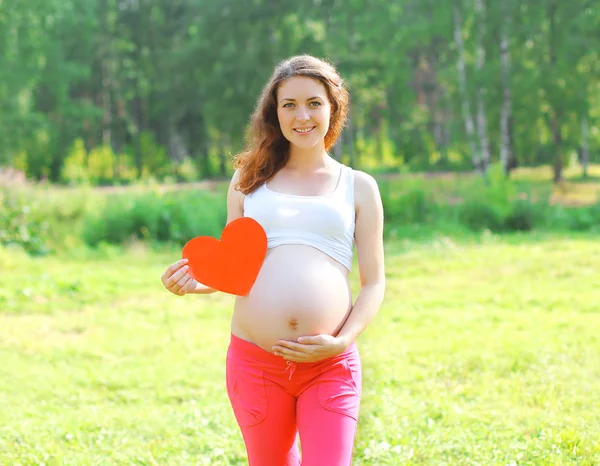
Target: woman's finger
[(292, 345), (174, 279), (181, 282), (173, 268), (186, 286), (190, 285), (287, 353)]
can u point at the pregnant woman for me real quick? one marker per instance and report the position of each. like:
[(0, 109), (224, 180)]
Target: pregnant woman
[(292, 364)]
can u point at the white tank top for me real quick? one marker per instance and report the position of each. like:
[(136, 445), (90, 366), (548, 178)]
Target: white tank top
[(324, 222)]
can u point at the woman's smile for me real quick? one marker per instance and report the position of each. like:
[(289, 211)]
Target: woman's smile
[(305, 130)]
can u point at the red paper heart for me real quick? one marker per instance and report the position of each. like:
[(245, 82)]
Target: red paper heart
[(232, 264)]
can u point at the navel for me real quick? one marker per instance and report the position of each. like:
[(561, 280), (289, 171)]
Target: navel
[(293, 323)]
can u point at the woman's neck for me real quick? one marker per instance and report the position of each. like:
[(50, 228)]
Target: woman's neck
[(311, 159)]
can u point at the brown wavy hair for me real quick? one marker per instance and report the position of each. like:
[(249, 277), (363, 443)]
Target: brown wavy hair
[(267, 150)]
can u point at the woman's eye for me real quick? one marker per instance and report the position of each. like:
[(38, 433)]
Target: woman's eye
[(312, 104)]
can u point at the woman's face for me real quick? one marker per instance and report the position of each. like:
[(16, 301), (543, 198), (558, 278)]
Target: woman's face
[(303, 111)]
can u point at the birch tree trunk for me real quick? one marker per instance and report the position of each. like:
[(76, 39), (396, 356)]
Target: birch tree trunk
[(106, 68), (138, 128), (106, 103), (177, 147), (555, 110), (462, 81), (350, 133), (481, 116), (433, 94), (506, 151), (585, 155)]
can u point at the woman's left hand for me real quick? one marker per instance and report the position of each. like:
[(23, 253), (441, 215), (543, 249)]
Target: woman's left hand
[(310, 349)]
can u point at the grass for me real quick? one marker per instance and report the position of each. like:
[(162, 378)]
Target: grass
[(486, 352)]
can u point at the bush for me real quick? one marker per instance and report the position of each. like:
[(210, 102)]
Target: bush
[(19, 223), (414, 204), (557, 217), (584, 219), (41, 219), (523, 216), (175, 216), (479, 215)]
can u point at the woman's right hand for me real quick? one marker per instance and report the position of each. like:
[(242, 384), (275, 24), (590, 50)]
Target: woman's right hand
[(176, 279)]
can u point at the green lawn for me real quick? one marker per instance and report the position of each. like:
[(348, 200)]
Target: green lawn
[(486, 352)]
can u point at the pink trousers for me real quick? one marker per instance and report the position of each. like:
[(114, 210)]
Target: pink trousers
[(273, 401)]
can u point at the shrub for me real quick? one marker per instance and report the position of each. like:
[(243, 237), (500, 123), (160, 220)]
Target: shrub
[(479, 215), (523, 216), (583, 219), (19, 224), (413, 204), (175, 216)]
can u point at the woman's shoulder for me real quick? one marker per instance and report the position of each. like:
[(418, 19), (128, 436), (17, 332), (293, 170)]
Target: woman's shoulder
[(239, 187), (362, 179), (366, 188), (234, 185), (360, 176), (235, 178)]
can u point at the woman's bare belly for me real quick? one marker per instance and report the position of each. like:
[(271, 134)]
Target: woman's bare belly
[(300, 291)]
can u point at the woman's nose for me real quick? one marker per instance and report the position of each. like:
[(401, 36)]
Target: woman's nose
[(302, 114)]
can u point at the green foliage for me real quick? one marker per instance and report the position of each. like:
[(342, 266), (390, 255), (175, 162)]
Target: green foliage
[(479, 215), (19, 223), (187, 171), (524, 215), (410, 203), (75, 169), (586, 219), (493, 189), (496, 203), (156, 161), (46, 219), (155, 84), (175, 216), (101, 166)]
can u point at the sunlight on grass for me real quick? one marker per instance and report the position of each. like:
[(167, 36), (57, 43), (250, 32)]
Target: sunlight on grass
[(486, 351), (573, 191)]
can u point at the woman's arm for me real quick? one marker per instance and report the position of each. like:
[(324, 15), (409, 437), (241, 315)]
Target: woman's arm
[(235, 210), (368, 236)]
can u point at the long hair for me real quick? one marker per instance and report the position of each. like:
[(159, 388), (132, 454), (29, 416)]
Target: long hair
[(267, 150)]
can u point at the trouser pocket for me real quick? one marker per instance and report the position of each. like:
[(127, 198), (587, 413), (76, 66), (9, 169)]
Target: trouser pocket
[(340, 386), (246, 391)]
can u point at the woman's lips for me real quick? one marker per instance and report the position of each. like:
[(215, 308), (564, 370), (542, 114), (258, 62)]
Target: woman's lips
[(296, 130)]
